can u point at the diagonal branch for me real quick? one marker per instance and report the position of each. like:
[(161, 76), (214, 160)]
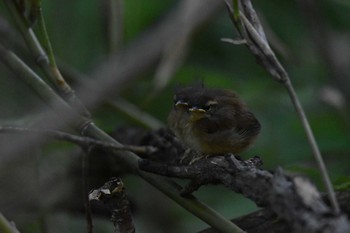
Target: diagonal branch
[(43, 55), (81, 141), (6, 226), (130, 160), (252, 31)]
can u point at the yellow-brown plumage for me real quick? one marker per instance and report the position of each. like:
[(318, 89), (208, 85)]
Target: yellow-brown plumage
[(212, 121)]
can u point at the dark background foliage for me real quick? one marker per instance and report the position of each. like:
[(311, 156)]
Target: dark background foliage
[(314, 56)]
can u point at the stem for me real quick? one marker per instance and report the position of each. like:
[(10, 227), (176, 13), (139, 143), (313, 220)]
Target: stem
[(253, 32), (46, 61), (43, 36), (114, 24), (81, 141), (85, 175), (15, 64), (136, 114), (44, 91), (235, 4), (313, 144), (132, 111), (6, 226), (130, 160)]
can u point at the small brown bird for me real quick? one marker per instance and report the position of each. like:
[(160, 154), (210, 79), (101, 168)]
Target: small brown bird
[(212, 121)]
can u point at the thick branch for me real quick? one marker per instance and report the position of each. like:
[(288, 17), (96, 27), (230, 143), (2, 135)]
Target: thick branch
[(265, 220), (294, 199)]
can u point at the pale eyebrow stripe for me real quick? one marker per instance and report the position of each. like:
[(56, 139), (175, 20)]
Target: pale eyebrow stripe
[(212, 102)]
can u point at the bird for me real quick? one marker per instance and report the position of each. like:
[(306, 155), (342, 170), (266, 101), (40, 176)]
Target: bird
[(212, 121)]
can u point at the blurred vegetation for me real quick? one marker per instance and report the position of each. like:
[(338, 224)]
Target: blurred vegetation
[(78, 34)]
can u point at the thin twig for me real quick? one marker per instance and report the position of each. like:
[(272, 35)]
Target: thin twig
[(81, 141), (232, 41), (85, 177), (257, 43), (137, 114), (127, 66), (6, 226), (115, 22), (120, 104), (315, 149)]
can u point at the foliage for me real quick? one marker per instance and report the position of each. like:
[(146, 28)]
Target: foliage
[(78, 35)]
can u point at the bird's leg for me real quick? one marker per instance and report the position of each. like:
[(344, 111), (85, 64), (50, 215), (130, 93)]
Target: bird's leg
[(190, 156), (186, 155), (196, 158), (199, 157)]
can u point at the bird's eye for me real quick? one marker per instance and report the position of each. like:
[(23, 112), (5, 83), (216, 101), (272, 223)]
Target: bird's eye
[(209, 105), (206, 107)]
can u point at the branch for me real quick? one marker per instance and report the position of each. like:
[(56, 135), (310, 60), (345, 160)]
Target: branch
[(128, 159), (42, 89), (16, 65), (124, 68), (292, 198), (114, 9), (265, 220), (84, 142), (43, 56), (122, 105), (6, 226), (252, 31), (85, 166), (112, 193), (170, 188), (126, 72)]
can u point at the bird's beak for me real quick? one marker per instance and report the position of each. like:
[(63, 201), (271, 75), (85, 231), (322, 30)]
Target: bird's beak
[(197, 113), (181, 103), (197, 110)]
